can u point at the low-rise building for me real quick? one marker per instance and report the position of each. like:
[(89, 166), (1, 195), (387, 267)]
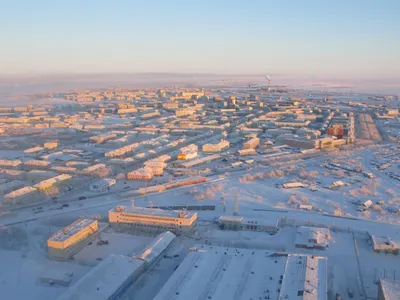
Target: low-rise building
[(152, 220), (33, 164), (9, 163), (312, 238), (188, 152), (385, 244), (19, 196), (50, 144), (71, 239), (91, 169), (248, 223), (54, 181), (102, 185), (140, 174), (198, 161), (251, 144), (108, 280), (33, 150), (243, 152), (39, 175), (223, 144), (156, 248)]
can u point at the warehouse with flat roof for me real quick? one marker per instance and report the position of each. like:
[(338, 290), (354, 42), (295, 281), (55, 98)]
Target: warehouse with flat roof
[(219, 273)]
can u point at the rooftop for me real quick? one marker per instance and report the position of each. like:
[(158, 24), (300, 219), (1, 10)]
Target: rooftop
[(71, 229), (215, 273), (103, 281), (390, 289), (159, 244)]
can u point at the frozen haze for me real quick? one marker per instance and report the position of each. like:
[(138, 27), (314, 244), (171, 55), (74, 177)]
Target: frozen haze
[(11, 86)]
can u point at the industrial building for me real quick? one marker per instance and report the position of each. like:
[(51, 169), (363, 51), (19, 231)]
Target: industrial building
[(108, 280), (152, 220), (388, 289), (69, 240), (220, 273), (247, 223), (312, 238), (156, 248), (102, 185)]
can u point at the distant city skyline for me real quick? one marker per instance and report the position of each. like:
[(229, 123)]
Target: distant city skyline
[(341, 38)]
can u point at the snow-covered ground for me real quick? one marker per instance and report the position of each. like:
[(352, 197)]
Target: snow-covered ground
[(24, 256)]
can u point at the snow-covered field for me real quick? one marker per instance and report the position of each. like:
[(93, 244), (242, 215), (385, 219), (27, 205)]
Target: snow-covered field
[(23, 246)]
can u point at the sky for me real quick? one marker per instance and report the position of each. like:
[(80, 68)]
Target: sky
[(348, 38)]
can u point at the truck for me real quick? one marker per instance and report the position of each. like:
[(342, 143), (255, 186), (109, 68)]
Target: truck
[(369, 175)]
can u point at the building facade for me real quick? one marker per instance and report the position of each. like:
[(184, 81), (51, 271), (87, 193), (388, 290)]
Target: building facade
[(68, 241), (152, 220)]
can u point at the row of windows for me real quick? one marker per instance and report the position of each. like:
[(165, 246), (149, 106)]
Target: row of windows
[(155, 226), (148, 217)]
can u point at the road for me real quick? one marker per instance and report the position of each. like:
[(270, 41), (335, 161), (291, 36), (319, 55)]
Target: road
[(52, 209)]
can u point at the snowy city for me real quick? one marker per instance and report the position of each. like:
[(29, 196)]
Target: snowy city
[(187, 193)]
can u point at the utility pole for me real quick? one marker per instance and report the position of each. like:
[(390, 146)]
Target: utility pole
[(236, 206)]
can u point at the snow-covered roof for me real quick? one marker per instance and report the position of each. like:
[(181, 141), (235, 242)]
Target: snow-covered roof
[(390, 289), (385, 242), (157, 246), (211, 272), (307, 235), (305, 278), (234, 219), (72, 229), (103, 281), (53, 180)]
